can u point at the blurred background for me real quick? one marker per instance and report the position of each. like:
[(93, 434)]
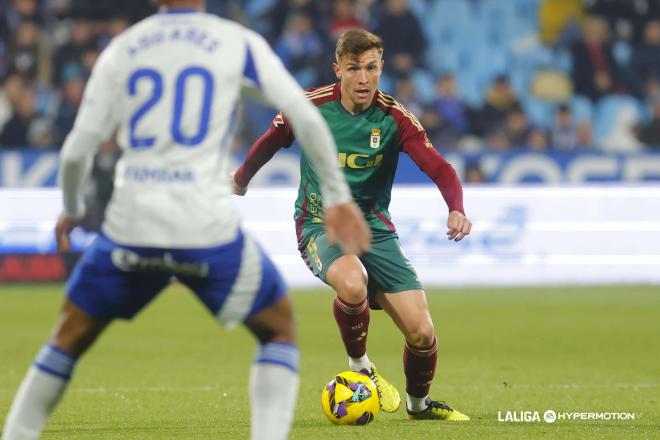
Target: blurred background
[(511, 92), (549, 76)]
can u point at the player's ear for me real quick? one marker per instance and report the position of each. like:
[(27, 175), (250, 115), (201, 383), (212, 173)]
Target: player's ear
[(337, 70)]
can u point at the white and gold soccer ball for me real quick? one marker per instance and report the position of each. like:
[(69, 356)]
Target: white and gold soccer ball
[(350, 398)]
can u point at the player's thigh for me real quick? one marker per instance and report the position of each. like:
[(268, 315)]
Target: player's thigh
[(409, 311), (318, 254), (108, 282), (239, 282), (388, 267), (344, 273)]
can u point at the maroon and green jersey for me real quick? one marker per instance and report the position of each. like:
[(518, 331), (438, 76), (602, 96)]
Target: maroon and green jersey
[(368, 146)]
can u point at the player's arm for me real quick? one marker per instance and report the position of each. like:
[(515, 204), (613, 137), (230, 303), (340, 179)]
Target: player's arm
[(417, 145), (265, 75), (277, 136), (94, 124)]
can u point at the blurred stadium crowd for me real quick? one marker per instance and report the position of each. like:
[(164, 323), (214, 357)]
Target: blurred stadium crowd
[(481, 75)]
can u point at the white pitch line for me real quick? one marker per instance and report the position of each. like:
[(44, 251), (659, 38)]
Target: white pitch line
[(474, 386), (562, 385), (135, 390)]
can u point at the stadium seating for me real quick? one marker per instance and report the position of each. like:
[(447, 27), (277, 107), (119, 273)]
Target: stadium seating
[(476, 40), (581, 108), (540, 113), (608, 109)]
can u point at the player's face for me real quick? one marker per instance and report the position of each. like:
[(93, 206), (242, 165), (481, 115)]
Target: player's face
[(359, 77)]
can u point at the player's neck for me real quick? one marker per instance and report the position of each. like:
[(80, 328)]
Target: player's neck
[(352, 107)]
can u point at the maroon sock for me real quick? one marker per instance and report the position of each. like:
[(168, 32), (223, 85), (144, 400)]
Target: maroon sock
[(353, 323), (419, 367)]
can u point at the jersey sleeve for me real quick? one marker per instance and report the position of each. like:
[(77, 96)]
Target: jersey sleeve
[(265, 74), (96, 121), (414, 142), (97, 115), (278, 135)]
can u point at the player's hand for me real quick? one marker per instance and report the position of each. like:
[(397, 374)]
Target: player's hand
[(238, 189), (63, 228), (345, 224), (458, 226)]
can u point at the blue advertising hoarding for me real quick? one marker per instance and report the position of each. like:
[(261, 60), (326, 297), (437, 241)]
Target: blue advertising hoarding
[(35, 169)]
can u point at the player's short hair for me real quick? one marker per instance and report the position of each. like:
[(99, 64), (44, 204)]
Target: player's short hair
[(357, 41), (166, 3)]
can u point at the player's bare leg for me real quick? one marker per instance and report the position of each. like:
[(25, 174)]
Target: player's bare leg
[(47, 379), (274, 324), (274, 376), (409, 311), (348, 277), (76, 331)]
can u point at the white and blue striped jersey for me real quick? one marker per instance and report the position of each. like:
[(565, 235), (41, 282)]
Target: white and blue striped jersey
[(169, 87)]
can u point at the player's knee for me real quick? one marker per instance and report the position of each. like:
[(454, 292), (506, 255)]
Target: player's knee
[(353, 290), (275, 323), (286, 329), (422, 335), (349, 278)]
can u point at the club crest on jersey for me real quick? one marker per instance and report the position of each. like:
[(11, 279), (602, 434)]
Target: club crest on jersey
[(374, 138), (279, 120)]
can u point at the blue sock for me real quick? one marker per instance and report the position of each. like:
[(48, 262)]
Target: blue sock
[(55, 361), (278, 353)]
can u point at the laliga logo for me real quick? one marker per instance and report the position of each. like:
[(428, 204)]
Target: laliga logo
[(549, 416)]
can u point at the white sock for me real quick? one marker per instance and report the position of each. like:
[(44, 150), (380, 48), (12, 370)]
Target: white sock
[(39, 393), (416, 404), (361, 363), (273, 391)]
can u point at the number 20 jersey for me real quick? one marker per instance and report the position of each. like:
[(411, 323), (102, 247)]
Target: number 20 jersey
[(169, 86)]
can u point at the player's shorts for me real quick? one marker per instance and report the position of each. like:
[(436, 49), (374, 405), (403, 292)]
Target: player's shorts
[(234, 281), (388, 268)]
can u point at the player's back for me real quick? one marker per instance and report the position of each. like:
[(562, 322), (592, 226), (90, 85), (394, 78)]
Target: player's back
[(174, 80)]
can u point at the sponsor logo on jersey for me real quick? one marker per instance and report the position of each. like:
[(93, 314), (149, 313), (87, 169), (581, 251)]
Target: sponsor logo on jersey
[(129, 261), (279, 120), (356, 160), (374, 139)]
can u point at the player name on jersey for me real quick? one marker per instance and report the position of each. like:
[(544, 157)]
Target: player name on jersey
[(190, 35)]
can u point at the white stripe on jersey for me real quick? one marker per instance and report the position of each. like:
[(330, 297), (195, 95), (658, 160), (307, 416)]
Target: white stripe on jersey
[(247, 284)]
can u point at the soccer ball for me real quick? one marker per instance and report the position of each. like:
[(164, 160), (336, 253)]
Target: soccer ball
[(350, 398)]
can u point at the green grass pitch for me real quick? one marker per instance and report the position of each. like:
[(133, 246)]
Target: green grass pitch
[(174, 374)]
